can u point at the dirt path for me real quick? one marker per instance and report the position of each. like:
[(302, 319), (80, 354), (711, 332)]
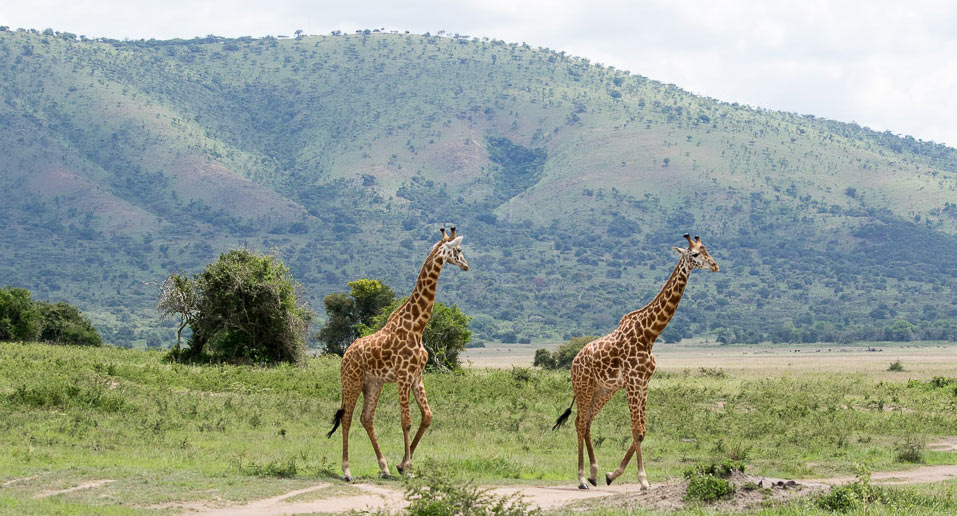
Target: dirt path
[(661, 496), (921, 475), (373, 498), (86, 485)]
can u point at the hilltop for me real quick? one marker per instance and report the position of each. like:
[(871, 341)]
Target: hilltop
[(125, 160)]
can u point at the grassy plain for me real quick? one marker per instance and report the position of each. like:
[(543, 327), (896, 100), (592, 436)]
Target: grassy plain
[(171, 434)]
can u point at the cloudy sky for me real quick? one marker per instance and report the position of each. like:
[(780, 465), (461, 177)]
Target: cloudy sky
[(889, 65)]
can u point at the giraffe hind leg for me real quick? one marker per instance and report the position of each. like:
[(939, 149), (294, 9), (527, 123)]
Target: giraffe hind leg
[(600, 398), (370, 395)]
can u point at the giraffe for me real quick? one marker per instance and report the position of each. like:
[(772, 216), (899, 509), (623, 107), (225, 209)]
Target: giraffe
[(623, 359), (395, 354)]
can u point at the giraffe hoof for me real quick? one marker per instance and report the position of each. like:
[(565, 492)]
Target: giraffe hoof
[(348, 479), (583, 486), (400, 469), (593, 481), (608, 479)]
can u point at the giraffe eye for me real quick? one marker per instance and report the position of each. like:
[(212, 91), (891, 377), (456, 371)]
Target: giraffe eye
[(695, 254)]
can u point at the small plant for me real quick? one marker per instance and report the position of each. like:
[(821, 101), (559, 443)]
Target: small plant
[(896, 366), (911, 450), (274, 468), (849, 496), (438, 493), (708, 488), (718, 469)]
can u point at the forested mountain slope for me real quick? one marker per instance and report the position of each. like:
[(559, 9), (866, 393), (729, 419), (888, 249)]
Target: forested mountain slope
[(123, 161)]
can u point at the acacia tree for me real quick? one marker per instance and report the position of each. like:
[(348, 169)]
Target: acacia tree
[(245, 307), (178, 299)]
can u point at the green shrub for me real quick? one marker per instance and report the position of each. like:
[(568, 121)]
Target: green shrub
[(718, 469), (708, 488), (64, 324), (896, 366), (437, 492), (911, 449), (562, 357), (850, 496), (23, 319), (19, 318), (247, 309)]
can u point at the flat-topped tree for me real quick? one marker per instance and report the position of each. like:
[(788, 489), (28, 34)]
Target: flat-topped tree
[(395, 354), (623, 359)]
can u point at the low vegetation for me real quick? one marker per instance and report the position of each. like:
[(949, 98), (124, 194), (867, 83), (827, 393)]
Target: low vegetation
[(69, 415)]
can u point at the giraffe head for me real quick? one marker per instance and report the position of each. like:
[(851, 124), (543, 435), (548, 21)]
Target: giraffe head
[(450, 250), (697, 254)]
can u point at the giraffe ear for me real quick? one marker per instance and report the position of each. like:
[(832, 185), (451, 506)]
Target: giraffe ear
[(454, 243), (680, 251)]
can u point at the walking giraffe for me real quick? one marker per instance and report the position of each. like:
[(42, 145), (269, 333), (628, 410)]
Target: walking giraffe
[(395, 354), (623, 359)]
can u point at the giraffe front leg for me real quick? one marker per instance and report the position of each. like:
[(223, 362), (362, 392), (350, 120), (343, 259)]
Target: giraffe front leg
[(404, 388), (636, 406), (418, 390)]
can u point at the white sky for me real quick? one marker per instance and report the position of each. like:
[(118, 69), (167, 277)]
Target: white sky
[(888, 65)]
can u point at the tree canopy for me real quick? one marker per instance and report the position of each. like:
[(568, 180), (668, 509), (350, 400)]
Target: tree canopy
[(245, 307)]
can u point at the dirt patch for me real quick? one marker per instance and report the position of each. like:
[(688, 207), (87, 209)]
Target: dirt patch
[(93, 484), (15, 480), (372, 499), (921, 475), (948, 444), (750, 492)]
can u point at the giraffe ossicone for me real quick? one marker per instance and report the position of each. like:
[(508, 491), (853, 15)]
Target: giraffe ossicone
[(395, 354), (623, 359)]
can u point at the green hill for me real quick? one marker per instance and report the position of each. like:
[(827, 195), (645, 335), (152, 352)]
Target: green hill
[(125, 160)]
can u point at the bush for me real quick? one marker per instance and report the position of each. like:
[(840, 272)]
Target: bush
[(19, 317), (64, 324), (247, 309), (911, 450), (437, 492), (849, 496), (896, 366), (562, 357), (57, 323), (708, 488)]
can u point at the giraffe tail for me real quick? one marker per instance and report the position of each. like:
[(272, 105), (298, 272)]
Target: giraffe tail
[(564, 417), (335, 421)]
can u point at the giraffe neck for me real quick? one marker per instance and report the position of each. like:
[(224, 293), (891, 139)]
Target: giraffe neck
[(654, 317), (417, 309)]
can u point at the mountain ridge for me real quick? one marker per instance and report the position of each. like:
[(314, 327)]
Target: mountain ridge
[(155, 156)]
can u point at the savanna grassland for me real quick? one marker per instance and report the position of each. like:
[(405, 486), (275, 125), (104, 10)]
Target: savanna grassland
[(169, 433)]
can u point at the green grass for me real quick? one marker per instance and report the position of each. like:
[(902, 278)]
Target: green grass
[(167, 432)]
